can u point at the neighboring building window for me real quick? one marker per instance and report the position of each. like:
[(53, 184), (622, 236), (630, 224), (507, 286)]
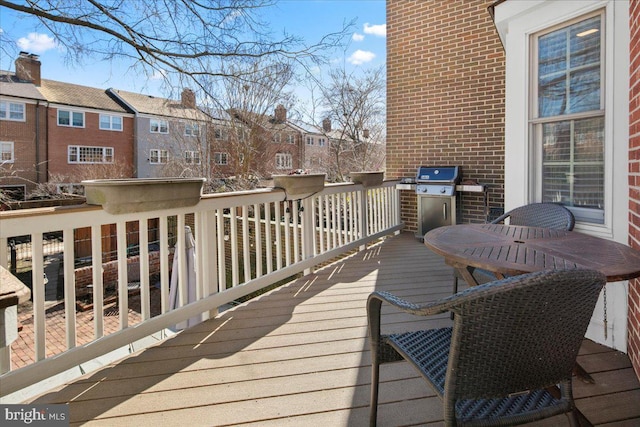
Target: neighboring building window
[(6, 152), (192, 129), (284, 161), (83, 154), (159, 126), (568, 118), (322, 142), (110, 122), (220, 158), (192, 157), (12, 111), (277, 138), (158, 157), (70, 118), (291, 139), (309, 140), (220, 133)]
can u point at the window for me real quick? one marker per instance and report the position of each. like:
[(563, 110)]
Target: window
[(309, 140), (291, 139), (284, 161), (159, 126), (82, 154), (220, 133), (568, 118), (70, 118), (192, 129), (220, 158), (277, 138), (158, 157), (6, 152), (321, 142), (12, 111), (192, 157), (110, 122)]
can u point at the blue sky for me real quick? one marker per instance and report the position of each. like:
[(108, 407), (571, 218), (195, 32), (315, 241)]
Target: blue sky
[(309, 19)]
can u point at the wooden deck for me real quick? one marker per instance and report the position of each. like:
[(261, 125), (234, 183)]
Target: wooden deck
[(299, 356)]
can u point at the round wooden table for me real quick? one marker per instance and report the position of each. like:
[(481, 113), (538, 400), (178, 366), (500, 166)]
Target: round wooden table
[(508, 250)]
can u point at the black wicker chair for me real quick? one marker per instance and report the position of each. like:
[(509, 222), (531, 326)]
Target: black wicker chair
[(545, 215), (511, 343)]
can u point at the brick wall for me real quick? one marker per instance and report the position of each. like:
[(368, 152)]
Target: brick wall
[(27, 169), (445, 97), (634, 181), (60, 137)]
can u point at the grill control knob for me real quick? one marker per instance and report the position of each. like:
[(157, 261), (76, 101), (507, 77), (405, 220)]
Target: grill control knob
[(443, 190)]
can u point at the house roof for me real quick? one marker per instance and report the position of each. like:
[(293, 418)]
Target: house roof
[(10, 85), (148, 104), (79, 96)]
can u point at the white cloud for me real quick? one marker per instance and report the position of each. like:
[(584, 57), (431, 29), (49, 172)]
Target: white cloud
[(376, 30), (37, 43), (359, 57), (357, 37)]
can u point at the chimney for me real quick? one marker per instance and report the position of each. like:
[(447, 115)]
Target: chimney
[(326, 125), (365, 133), (188, 98), (28, 68), (281, 114)]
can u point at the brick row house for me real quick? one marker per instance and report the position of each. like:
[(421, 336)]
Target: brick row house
[(62, 133), (536, 99)]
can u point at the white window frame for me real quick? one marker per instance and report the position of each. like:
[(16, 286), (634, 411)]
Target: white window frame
[(72, 115), (158, 125), (192, 157), (6, 111), (192, 129), (587, 215), (75, 154), (277, 138), (112, 119), (158, 156), (221, 158), (310, 140), (284, 161), (7, 147), (291, 138), (321, 142)]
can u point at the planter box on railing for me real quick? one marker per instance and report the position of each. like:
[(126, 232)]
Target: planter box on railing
[(367, 179), (118, 196), (299, 186)]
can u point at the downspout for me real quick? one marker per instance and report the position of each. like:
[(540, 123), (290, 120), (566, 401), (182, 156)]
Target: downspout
[(37, 142)]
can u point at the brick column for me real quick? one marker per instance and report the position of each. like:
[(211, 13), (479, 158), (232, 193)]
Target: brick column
[(634, 180)]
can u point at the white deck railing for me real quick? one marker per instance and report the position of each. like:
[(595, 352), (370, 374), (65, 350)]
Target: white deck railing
[(244, 242)]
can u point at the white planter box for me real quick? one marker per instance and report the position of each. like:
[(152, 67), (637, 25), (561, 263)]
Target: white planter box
[(118, 196), (367, 179), (299, 186)]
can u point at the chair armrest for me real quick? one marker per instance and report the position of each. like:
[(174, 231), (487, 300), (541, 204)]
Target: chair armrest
[(501, 218)]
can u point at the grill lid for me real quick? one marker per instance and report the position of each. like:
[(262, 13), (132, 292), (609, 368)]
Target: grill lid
[(438, 174)]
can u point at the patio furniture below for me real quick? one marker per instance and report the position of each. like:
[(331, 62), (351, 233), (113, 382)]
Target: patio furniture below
[(544, 215), (512, 341)]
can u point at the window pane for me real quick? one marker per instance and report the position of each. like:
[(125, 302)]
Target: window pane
[(16, 111), (3, 110), (569, 69), (573, 163), (63, 118), (78, 119), (105, 122), (116, 123)]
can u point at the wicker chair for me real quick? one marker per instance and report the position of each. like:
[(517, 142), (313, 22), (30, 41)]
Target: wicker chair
[(511, 343), (545, 215)]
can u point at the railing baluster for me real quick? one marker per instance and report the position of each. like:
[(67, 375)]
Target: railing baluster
[(268, 238), (278, 225), (123, 288), (246, 245), (38, 294), (164, 264), (295, 212), (258, 238), (235, 280), (69, 287), (222, 264), (97, 286)]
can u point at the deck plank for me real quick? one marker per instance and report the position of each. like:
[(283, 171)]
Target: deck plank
[(299, 355)]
